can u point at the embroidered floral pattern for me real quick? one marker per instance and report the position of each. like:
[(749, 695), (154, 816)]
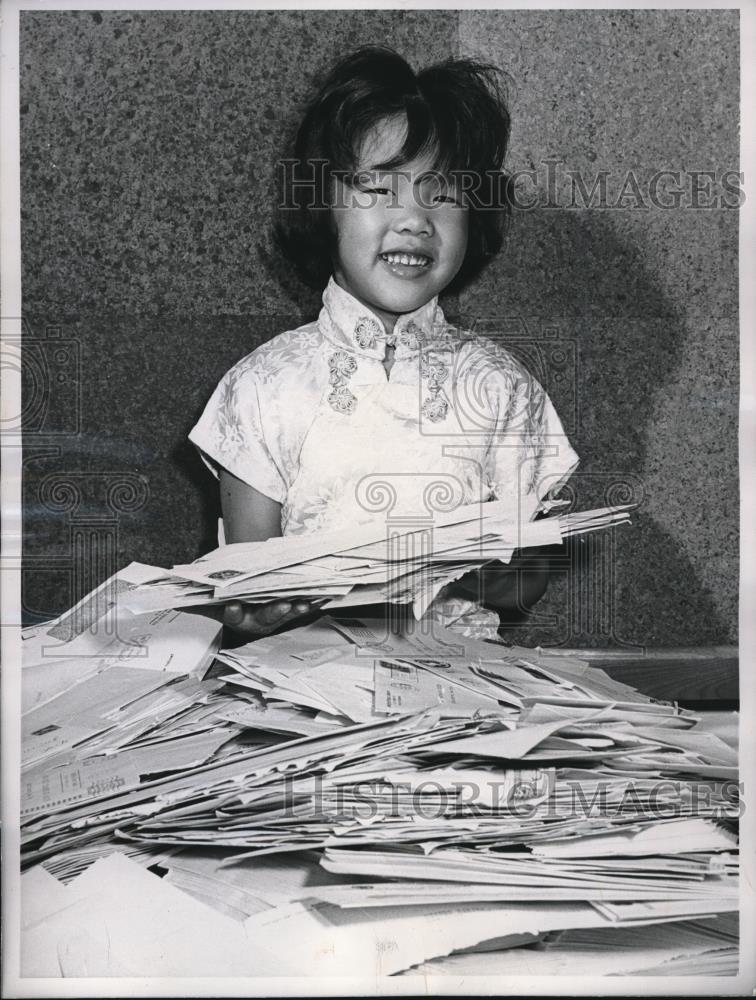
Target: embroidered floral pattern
[(342, 366), (342, 399), (343, 363), (435, 372), (435, 409), (367, 332), (412, 337)]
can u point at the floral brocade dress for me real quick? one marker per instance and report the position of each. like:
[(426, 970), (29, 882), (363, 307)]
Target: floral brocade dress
[(311, 420)]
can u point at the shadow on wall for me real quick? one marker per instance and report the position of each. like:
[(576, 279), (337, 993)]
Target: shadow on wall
[(186, 461), (639, 587)]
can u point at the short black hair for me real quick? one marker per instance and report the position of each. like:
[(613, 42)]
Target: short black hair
[(456, 111)]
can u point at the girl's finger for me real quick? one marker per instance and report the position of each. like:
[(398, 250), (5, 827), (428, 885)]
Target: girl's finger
[(233, 613), (258, 620), (250, 619), (270, 614), (298, 610)]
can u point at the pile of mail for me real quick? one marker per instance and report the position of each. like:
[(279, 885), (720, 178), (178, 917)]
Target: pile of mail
[(119, 919), (388, 800), (368, 564), (705, 947)]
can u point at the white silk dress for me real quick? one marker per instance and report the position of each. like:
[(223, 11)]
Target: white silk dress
[(312, 420)]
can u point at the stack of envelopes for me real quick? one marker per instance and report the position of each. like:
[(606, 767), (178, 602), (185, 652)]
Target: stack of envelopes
[(368, 564), (350, 784)]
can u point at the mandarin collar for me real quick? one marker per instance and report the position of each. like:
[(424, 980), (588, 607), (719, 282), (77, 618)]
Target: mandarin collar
[(348, 323)]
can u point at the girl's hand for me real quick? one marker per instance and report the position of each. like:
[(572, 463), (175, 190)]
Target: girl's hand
[(256, 620), (509, 589)]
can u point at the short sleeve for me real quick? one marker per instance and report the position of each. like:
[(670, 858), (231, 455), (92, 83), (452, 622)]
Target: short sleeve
[(234, 433), (530, 453)]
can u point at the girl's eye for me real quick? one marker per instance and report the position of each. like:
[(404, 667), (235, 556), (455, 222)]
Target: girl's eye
[(447, 198), (379, 190)]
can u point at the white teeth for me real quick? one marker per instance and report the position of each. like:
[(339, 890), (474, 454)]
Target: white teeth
[(408, 259)]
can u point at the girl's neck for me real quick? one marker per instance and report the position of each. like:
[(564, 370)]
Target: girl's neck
[(388, 319)]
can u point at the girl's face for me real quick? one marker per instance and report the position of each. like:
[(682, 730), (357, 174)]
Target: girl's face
[(401, 234)]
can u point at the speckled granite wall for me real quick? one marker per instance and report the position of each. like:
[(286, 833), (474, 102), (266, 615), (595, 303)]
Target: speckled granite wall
[(645, 297), (148, 144)]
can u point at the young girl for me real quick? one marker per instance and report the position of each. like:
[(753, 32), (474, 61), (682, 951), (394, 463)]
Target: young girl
[(395, 193)]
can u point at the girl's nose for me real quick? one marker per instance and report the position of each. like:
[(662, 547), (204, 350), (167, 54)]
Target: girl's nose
[(413, 217)]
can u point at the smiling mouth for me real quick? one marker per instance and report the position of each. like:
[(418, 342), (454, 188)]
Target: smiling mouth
[(407, 259)]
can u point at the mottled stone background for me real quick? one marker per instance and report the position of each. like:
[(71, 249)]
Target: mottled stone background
[(148, 149)]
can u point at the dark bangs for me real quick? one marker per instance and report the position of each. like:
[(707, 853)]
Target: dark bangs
[(456, 115)]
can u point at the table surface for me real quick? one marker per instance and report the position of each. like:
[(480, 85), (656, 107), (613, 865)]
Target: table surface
[(704, 676)]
